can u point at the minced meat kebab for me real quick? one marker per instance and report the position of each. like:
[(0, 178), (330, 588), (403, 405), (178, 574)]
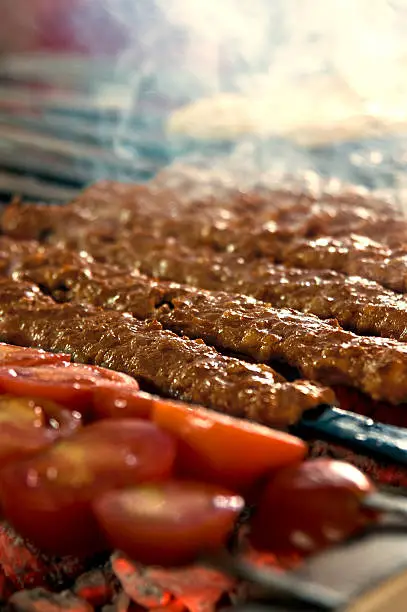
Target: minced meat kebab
[(226, 271)]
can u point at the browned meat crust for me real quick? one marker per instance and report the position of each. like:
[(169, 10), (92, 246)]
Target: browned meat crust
[(283, 230), (217, 219), (319, 350), (213, 221), (355, 255), (357, 303), (177, 367)]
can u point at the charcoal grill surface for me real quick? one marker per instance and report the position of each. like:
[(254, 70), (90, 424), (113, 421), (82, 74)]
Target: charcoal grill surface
[(53, 144)]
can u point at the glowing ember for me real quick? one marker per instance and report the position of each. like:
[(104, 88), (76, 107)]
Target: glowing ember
[(31, 582), (199, 589), (40, 600), (24, 567), (380, 472)]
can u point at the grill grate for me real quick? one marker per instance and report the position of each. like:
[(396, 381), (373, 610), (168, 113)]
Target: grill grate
[(57, 135), (68, 121)]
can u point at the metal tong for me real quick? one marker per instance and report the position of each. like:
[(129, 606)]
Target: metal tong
[(366, 574)]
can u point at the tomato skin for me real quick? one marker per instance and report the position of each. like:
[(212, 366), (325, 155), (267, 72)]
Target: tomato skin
[(311, 506), (224, 450), (28, 425), (48, 498), (123, 402), (11, 355), (170, 523), (71, 385)]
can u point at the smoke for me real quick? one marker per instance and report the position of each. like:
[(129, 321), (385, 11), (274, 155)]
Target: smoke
[(320, 82)]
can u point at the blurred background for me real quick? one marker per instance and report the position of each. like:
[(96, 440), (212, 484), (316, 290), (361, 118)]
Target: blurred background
[(270, 89)]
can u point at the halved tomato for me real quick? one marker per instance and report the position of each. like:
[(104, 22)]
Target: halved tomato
[(11, 355), (122, 402), (307, 507), (225, 450), (48, 498), (28, 425), (72, 385), (170, 523)]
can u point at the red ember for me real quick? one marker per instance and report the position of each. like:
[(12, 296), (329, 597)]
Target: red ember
[(32, 582)]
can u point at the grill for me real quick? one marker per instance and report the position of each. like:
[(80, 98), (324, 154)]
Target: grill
[(31, 582), (55, 140)]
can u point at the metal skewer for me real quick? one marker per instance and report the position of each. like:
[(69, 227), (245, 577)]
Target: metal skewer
[(281, 585), (391, 504)]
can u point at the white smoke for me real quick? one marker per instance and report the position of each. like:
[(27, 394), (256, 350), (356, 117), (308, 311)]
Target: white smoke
[(303, 66)]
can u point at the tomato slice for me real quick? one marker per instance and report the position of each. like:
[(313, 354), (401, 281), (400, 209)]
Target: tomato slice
[(28, 425), (48, 498), (11, 355), (311, 506), (122, 402), (72, 385), (170, 523), (225, 450)]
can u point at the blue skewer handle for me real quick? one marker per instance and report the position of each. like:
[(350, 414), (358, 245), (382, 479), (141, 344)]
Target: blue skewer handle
[(361, 433)]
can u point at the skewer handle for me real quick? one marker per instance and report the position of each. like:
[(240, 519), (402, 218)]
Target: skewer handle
[(358, 432)]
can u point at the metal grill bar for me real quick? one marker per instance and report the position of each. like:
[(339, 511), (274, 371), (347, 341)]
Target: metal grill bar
[(60, 128)]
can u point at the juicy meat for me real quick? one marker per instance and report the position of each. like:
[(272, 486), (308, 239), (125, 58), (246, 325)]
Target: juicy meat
[(217, 218), (319, 350), (355, 255), (287, 229), (357, 303), (177, 367), (352, 256), (211, 220)]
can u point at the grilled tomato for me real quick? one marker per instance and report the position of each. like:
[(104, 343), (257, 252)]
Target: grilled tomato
[(28, 425), (21, 356), (48, 497), (121, 401), (225, 450), (169, 523), (310, 506), (72, 385)]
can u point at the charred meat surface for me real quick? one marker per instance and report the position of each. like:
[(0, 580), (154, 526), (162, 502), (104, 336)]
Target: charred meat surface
[(289, 229), (358, 304), (213, 216), (320, 350), (176, 367)]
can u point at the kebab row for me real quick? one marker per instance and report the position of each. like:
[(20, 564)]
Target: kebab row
[(320, 351), (74, 277), (288, 214), (165, 488), (177, 367), (356, 303), (127, 209)]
